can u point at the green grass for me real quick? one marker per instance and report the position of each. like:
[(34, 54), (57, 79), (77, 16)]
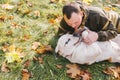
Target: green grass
[(41, 30)]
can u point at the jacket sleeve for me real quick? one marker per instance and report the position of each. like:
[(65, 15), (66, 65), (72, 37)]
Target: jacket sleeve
[(61, 29), (108, 32), (99, 22)]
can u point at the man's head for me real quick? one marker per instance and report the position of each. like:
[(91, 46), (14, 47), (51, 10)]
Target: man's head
[(72, 14)]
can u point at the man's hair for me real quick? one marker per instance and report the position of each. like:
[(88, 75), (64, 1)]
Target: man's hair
[(69, 8)]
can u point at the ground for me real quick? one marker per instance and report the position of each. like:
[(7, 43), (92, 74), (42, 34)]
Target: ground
[(27, 29)]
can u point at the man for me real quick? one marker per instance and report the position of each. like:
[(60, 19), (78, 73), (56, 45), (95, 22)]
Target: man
[(102, 26)]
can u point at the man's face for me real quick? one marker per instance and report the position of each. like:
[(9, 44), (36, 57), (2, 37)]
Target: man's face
[(75, 20)]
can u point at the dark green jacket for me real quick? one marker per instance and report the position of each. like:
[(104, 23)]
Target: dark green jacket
[(97, 20)]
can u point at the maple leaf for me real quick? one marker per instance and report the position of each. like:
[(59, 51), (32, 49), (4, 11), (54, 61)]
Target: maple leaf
[(10, 32), (3, 18), (115, 71), (48, 48), (26, 63), (11, 17), (85, 75), (5, 47), (43, 49), (13, 54), (54, 18), (27, 11), (14, 24), (40, 59), (73, 70), (24, 26), (26, 37), (37, 13), (40, 51), (52, 21), (25, 74), (4, 67), (76, 73), (35, 45)]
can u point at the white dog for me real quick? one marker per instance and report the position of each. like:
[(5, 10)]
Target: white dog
[(87, 54)]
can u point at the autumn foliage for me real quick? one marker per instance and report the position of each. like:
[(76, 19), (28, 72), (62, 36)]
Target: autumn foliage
[(27, 30)]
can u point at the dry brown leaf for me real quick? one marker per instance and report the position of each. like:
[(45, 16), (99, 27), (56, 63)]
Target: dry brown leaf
[(14, 24), (73, 70), (11, 48), (25, 37), (26, 63), (52, 21), (24, 26), (18, 50), (35, 45), (40, 59), (5, 47), (9, 33), (4, 68), (3, 17), (25, 74), (35, 58), (27, 11), (85, 75), (37, 13), (14, 54), (22, 54), (48, 48), (40, 51), (11, 17), (43, 49), (30, 4), (114, 71), (59, 66)]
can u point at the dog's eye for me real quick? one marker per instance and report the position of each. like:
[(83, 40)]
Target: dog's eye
[(67, 41)]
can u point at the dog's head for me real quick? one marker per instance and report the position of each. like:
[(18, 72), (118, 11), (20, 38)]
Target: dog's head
[(78, 32)]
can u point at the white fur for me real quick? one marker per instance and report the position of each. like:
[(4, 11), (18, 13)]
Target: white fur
[(87, 54)]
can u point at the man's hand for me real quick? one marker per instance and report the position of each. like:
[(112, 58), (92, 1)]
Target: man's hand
[(91, 37)]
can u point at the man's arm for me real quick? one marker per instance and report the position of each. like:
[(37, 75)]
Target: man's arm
[(103, 31), (109, 32)]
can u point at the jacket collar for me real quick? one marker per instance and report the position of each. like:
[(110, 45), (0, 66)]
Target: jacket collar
[(83, 8)]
